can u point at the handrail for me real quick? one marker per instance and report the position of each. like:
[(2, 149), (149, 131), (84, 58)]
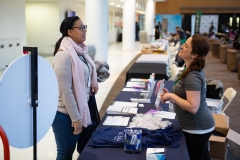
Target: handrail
[(5, 144)]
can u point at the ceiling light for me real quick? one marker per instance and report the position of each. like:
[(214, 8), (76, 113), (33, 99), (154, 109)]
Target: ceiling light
[(121, 0), (111, 4), (118, 5)]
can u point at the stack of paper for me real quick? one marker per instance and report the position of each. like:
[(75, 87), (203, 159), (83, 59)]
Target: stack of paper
[(132, 110), (138, 80), (121, 110), (132, 90), (139, 100), (114, 110), (136, 83), (125, 104), (116, 121), (137, 86)]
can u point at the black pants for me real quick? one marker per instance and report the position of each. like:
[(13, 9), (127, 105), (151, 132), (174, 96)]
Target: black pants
[(197, 145)]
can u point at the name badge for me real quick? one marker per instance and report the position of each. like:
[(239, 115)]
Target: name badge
[(89, 82)]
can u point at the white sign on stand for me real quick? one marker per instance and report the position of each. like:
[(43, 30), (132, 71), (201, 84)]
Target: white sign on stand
[(15, 101)]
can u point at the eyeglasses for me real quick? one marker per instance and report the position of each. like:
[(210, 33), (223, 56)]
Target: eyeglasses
[(81, 28)]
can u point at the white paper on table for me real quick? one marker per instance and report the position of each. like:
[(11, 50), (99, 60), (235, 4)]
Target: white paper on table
[(141, 86), (136, 83), (140, 100), (125, 104), (114, 110), (132, 90), (116, 121), (138, 80), (165, 114), (132, 110)]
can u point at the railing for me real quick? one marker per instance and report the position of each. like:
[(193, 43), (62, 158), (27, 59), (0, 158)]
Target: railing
[(5, 144)]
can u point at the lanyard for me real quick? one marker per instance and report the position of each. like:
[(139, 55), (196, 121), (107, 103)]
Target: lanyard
[(84, 61), (177, 80), (179, 77)]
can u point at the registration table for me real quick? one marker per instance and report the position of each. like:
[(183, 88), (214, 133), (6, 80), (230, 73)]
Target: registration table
[(147, 64), (180, 153)]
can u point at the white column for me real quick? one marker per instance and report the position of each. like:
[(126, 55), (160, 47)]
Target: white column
[(97, 23), (149, 17), (128, 33)]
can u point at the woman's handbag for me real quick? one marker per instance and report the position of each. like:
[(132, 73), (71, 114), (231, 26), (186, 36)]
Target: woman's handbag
[(93, 109), (86, 133)]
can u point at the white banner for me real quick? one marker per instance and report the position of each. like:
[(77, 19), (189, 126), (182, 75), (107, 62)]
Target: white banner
[(206, 21)]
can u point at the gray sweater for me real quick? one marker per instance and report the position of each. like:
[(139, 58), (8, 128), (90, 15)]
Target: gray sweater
[(62, 66)]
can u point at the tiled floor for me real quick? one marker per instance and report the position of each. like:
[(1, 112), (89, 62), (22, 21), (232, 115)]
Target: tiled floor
[(117, 60)]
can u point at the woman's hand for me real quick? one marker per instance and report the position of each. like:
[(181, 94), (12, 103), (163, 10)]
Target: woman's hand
[(94, 89), (165, 90), (77, 127), (165, 97)]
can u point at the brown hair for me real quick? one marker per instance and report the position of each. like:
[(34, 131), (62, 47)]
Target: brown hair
[(200, 47)]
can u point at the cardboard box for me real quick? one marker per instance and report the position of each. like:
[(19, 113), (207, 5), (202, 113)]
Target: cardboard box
[(219, 145), (155, 154)]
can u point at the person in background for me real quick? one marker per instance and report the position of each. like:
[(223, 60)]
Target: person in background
[(181, 35), (119, 39), (228, 27), (189, 98), (223, 28), (212, 35), (211, 29), (236, 43), (137, 29), (231, 35), (226, 39), (77, 77), (182, 38), (204, 34), (158, 29), (188, 34)]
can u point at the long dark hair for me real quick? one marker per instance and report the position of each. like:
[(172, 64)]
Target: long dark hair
[(200, 46), (65, 26)]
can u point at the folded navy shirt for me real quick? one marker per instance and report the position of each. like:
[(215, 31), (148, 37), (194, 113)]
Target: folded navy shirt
[(114, 137)]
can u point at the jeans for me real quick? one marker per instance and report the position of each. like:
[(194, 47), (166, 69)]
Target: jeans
[(64, 137)]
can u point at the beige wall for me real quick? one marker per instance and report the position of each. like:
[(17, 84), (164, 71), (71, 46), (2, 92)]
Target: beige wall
[(42, 23), (12, 30)]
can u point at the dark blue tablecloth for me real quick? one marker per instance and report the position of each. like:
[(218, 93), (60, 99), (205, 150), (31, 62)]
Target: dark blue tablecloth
[(180, 153)]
